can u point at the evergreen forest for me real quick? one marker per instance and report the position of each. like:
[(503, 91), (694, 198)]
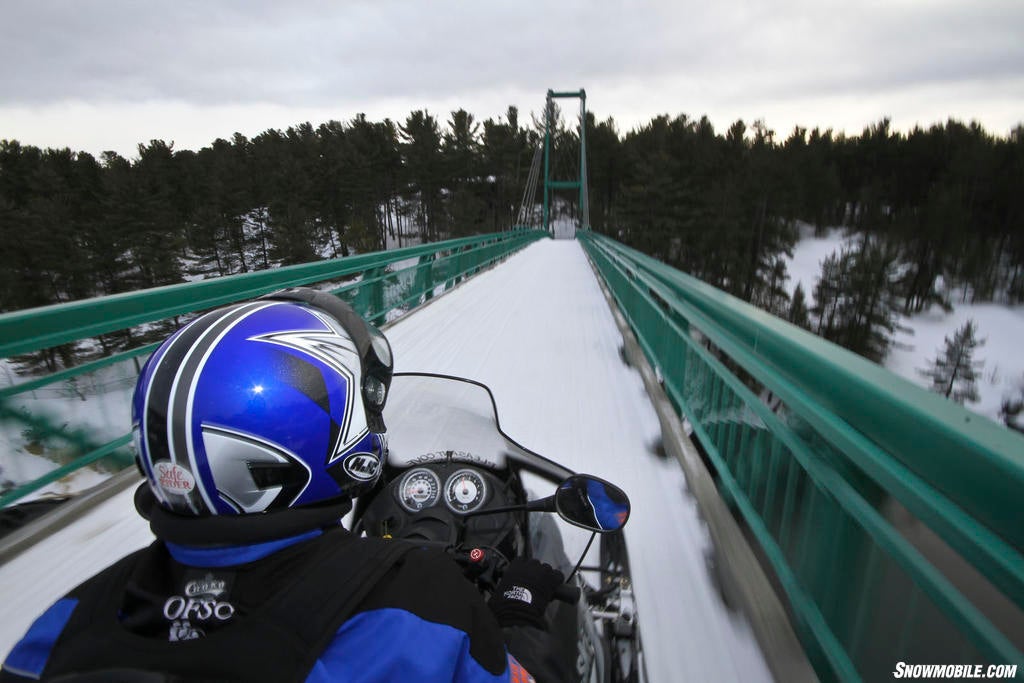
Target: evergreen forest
[(937, 212)]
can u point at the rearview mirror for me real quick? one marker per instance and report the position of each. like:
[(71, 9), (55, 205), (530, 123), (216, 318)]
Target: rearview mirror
[(592, 503)]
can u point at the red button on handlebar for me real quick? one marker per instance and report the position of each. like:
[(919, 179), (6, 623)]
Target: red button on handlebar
[(476, 555)]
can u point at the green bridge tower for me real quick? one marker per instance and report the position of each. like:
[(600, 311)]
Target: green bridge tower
[(580, 183)]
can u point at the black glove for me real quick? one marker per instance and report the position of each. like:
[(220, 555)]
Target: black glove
[(524, 592)]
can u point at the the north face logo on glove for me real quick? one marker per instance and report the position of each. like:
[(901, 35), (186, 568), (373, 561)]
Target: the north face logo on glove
[(519, 593)]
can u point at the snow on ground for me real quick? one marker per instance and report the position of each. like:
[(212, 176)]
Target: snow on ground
[(97, 403), (25, 467), (538, 331), (1001, 326), (808, 255)]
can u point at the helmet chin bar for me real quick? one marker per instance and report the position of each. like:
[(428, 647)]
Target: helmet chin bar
[(375, 357)]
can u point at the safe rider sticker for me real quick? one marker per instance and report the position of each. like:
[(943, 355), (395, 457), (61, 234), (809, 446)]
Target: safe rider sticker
[(173, 478)]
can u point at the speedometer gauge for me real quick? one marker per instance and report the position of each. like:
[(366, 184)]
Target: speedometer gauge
[(465, 491), (419, 489)]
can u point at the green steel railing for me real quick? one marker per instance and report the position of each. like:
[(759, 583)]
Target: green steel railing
[(891, 517), (379, 285)]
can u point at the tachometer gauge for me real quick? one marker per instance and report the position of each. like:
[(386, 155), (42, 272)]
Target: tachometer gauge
[(465, 491), (419, 489)]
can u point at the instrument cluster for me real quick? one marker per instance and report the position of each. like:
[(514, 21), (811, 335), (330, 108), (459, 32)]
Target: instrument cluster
[(464, 490)]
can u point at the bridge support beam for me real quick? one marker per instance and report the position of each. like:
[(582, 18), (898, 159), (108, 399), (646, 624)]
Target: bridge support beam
[(580, 183)]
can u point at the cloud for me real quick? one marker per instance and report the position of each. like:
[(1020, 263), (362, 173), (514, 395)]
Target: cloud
[(315, 52), (376, 55)]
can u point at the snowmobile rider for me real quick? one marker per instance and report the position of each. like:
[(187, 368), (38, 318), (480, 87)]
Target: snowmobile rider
[(255, 426)]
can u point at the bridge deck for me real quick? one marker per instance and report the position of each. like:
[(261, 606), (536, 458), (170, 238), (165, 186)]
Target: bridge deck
[(538, 331)]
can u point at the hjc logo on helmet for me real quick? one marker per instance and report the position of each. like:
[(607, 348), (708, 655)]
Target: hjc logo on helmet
[(362, 466), (173, 478)]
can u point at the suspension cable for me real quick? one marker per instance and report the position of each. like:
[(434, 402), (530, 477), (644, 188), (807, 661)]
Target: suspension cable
[(527, 208)]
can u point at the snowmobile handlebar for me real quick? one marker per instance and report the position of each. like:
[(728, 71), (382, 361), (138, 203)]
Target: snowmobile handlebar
[(568, 593)]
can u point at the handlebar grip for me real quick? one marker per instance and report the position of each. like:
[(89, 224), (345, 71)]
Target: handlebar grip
[(567, 592)]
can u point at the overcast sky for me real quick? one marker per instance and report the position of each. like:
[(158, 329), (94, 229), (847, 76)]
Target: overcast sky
[(98, 75)]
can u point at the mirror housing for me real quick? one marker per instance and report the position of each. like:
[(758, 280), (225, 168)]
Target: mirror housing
[(592, 503)]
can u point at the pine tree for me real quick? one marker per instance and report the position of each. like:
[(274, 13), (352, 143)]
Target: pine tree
[(421, 150), (798, 313), (854, 301), (506, 152), (460, 149), (770, 294), (829, 291), (872, 308), (954, 373), (156, 226), (1011, 411)]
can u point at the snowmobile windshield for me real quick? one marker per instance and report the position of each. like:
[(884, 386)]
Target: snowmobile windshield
[(437, 417), (432, 418)]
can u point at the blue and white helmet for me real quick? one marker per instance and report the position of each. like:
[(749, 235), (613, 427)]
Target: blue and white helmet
[(265, 405)]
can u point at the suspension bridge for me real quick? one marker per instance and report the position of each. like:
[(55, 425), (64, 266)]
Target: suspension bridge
[(798, 511)]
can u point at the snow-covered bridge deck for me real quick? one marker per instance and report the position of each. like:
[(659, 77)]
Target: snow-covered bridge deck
[(539, 332)]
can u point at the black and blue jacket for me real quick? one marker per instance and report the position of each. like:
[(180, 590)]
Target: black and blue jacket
[(310, 607)]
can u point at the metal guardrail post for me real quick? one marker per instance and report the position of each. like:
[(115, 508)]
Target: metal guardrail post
[(425, 276), (370, 295)]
